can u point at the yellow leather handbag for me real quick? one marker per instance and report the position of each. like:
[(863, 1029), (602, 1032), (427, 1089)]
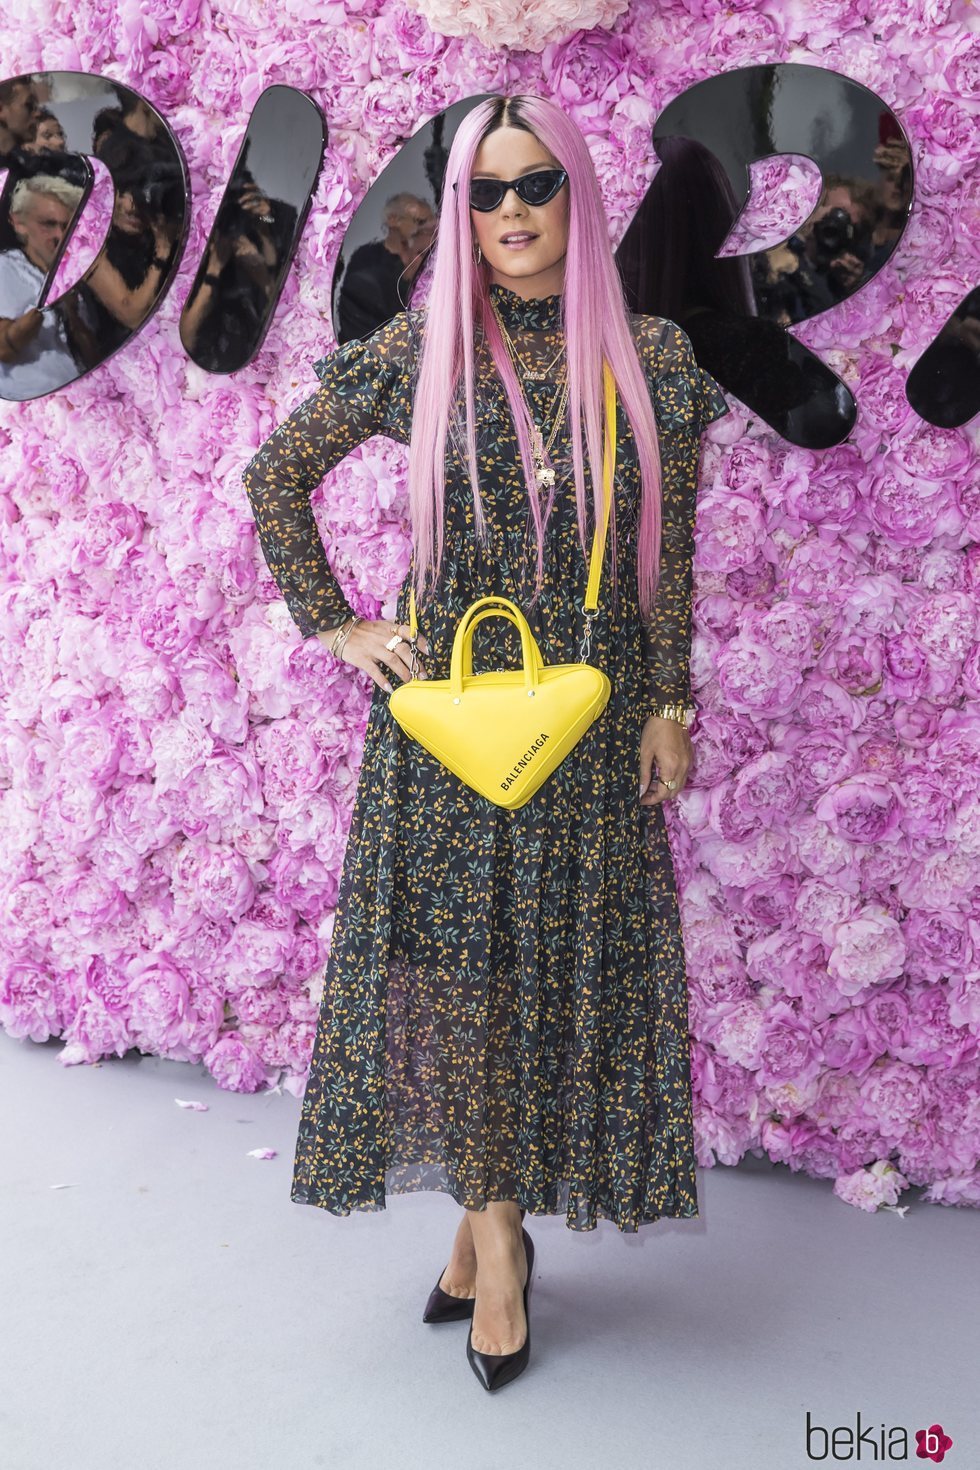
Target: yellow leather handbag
[(505, 731)]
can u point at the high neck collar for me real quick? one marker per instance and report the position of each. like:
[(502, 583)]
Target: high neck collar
[(538, 314)]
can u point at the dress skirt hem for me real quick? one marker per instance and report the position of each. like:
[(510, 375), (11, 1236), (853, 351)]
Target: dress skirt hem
[(421, 1179)]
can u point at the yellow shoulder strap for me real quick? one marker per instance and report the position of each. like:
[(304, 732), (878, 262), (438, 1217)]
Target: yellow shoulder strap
[(599, 538), (608, 467)]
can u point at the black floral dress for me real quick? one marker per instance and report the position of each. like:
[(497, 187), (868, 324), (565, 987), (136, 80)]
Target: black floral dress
[(504, 1011)]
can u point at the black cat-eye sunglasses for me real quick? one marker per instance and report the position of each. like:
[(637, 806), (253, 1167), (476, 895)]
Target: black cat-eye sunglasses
[(536, 188)]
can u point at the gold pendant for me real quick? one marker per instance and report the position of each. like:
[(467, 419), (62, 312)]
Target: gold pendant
[(544, 475)]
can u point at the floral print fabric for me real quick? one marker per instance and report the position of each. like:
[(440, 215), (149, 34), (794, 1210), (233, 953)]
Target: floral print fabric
[(504, 1013)]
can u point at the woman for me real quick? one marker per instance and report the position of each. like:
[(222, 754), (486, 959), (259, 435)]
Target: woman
[(504, 1015)]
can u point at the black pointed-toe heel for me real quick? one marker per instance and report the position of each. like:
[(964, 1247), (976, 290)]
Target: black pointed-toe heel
[(441, 1307), (496, 1369)]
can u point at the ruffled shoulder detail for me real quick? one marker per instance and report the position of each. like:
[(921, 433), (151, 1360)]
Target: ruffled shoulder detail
[(373, 376), (683, 393)]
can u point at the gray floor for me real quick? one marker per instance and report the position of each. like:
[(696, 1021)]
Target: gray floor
[(172, 1308)]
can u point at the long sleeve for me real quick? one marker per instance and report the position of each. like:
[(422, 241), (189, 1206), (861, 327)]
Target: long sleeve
[(364, 390), (685, 398)]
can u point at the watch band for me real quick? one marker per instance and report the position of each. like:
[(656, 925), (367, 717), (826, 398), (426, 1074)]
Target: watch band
[(683, 714)]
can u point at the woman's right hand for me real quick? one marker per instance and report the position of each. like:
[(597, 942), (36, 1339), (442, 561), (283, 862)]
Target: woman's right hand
[(365, 649)]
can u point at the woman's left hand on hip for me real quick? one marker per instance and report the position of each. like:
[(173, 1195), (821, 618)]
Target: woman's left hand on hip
[(665, 756)]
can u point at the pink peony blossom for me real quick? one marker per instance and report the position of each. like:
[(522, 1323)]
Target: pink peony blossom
[(893, 1094), (867, 949), (518, 24), (862, 808), (234, 1066), (869, 1189), (789, 1051)]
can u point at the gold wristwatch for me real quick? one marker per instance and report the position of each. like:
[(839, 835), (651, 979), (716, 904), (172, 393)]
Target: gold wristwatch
[(683, 714)]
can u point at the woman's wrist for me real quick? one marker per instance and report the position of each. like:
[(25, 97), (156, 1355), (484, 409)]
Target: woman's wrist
[(337, 636), (682, 713)]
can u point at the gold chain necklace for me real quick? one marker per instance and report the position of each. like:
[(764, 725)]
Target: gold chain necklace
[(543, 472), (536, 375)]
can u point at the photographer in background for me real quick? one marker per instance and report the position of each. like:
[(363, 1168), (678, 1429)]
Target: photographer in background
[(224, 315), (147, 216), (36, 344), (378, 282)]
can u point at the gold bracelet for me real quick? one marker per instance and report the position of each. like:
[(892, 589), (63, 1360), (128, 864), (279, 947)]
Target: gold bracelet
[(683, 714), (342, 633), (347, 632)]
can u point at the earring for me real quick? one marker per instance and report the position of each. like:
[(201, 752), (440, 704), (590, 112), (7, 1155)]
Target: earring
[(478, 257)]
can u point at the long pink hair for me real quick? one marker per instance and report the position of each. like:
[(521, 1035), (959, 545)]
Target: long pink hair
[(596, 325)]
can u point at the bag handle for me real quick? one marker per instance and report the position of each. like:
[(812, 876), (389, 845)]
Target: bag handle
[(591, 603), (475, 615), (462, 660)]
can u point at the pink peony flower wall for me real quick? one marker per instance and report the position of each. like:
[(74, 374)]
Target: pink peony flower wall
[(178, 768)]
